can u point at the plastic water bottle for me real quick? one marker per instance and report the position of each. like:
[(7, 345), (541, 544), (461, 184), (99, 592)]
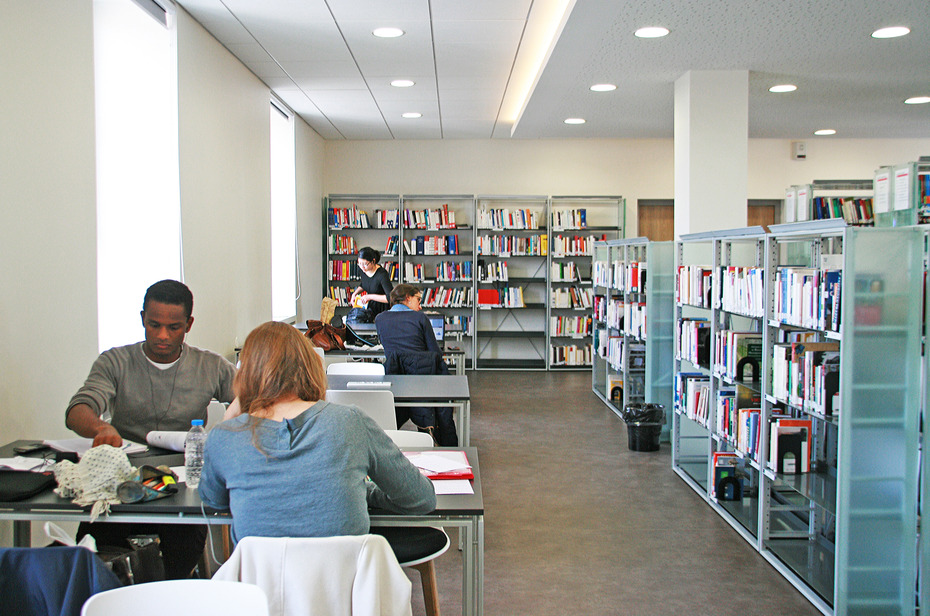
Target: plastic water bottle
[(193, 453)]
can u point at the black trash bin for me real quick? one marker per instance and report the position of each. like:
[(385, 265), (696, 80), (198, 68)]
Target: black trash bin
[(643, 425)]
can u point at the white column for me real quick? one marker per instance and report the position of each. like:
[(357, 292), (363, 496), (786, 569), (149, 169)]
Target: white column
[(711, 150)]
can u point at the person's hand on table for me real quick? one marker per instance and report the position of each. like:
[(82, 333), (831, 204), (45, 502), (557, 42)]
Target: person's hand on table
[(107, 435)]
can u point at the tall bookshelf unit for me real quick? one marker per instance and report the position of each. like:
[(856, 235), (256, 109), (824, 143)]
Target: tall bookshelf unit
[(511, 246), (633, 322), (902, 194), (575, 224), (438, 256), (844, 531), (353, 222), (849, 200)]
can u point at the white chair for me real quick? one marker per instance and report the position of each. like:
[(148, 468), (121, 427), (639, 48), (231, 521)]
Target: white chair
[(409, 438), (355, 367), (417, 547), (379, 405), (200, 597), (356, 575), (215, 412)]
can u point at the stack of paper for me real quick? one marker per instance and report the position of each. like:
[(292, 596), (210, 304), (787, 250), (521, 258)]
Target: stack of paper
[(81, 445), (449, 470)]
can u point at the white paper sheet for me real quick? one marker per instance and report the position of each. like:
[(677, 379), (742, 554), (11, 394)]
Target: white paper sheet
[(81, 445), (453, 486), (22, 463), (439, 461)]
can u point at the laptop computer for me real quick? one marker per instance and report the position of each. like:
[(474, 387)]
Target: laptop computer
[(439, 326)]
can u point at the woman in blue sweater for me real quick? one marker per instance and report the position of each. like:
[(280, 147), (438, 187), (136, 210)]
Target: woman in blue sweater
[(294, 465)]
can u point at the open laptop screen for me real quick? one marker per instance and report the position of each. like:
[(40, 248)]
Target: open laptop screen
[(438, 324)]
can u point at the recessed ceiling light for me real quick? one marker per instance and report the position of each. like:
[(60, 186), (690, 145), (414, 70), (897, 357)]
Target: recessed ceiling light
[(387, 32), (891, 32), (401, 83), (574, 120), (412, 115), (651, 32), (825, 131), (917, 100), (785, 87), (603, 87)]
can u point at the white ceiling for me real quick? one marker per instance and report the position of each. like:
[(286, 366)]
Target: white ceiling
[(320, 58)]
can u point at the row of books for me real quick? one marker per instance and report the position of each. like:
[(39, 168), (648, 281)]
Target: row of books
[(691, 396), (737, 422), (344, 245), (570, 326), (505, 218), (460, 322), (694, 341), (390, 248), (602, 274), (634, 316), (439, 218), (614, 313), (448, 297), (806, 375), (564, 271), (694, 285), (570, 219), (572, 297), (504, 297), (492, 272), (432, 245), (742, 290), (355, 218), (735, 352), (510, 245), (630, 277), (615, 348), (575, 245), (854, 210), (349, 270), (809, 297), (571, 355), (448, 271), (790, 445)]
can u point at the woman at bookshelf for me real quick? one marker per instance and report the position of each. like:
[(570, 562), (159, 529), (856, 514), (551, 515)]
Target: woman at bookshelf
[(290, 450), (375, 285), (411, 348)]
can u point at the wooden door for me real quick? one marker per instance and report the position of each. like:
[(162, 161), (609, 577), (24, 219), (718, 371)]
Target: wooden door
[(656, 219)]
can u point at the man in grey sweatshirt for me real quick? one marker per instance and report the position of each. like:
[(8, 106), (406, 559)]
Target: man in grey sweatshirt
[(158, 384)]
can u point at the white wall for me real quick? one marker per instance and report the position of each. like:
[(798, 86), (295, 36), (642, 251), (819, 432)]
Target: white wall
[(225, 189), (634, 168), (48, 315), (309, 154)]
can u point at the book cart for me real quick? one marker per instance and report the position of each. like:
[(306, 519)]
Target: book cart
[(353, 222), (633, 325), (827, 482), (438, 257), (575, 224)]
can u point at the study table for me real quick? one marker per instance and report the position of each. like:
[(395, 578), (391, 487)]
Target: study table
[(451, 354), (446, 390), (464, 511)]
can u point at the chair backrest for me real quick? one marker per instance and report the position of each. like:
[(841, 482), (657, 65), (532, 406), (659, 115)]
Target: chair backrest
[(200, 597), (379, 405), (409, 438), (322, 575), (215, 412), (355, 367)]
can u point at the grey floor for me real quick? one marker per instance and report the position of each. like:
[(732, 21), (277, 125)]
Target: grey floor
[(575, 523)]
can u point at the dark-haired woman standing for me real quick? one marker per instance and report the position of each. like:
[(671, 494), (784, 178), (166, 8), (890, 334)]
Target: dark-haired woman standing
[(375, 285)]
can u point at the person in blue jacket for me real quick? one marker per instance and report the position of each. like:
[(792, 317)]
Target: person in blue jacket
[(411, 348)]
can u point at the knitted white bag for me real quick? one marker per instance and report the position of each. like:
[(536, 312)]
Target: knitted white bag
[(93, 480)]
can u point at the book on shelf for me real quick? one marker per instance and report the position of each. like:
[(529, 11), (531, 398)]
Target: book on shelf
[(725, 464), (735, 351)]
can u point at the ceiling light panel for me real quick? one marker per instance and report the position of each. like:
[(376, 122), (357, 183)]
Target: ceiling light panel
[(411, 54)]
